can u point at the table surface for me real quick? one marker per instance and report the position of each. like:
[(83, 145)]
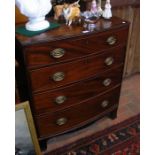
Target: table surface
[(64, 31)]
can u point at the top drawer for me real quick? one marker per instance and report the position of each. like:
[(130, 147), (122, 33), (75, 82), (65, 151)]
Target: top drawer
[(69, 49)]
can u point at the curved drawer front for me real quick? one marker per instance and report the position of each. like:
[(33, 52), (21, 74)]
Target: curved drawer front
[(73, 94), (61, 121), (103, 40), (59, 75), (61, 51)]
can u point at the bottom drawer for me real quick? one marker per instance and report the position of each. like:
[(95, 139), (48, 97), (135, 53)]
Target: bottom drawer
[(76, 116)]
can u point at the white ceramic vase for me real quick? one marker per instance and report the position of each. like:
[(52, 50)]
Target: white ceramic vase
[(35, 10)]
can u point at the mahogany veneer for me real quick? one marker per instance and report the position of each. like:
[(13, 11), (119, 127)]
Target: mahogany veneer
[(80, 114), (75, 93), (74, 71), (73, 77)]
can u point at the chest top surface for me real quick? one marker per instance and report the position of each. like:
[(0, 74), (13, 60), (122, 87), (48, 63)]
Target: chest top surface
[(66, 32)]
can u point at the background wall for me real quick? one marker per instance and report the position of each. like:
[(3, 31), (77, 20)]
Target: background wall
[(131, 13), (19, 18)]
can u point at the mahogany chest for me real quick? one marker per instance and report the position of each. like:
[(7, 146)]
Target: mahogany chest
[(74, 76)]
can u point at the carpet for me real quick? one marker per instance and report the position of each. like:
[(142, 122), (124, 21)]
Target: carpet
[(120, 139)]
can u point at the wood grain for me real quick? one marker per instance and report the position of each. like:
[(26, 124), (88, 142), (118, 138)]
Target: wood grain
[(128, 10), (90, 59), (39, 55), (76, 115), (45, 102), (132, 14), (65, 32), (41, 79)]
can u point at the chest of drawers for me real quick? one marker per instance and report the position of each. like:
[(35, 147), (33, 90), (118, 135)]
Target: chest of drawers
[(74, 78)]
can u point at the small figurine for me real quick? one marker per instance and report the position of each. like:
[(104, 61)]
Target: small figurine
[(93, 7), (71, 12), (107, 14), (58, 11)]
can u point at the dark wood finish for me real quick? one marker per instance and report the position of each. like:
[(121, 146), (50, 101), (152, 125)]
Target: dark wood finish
[(113, 114), (43, 144), (76, 115), (76, 93), (91, 72), (128, 10), (20, 74), (39, 55), (74, 71), (66, 32)]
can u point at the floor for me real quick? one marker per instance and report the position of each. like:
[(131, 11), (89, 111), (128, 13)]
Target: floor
[(129, 106)]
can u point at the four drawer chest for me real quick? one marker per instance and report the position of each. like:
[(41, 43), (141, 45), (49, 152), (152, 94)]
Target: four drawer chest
[(73, 76)]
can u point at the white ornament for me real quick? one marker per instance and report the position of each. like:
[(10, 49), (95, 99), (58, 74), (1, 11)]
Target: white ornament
[(107, 13), (93, 6), (35, 10)]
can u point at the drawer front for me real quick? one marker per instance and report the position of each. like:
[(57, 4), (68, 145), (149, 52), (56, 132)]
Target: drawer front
[(67, 73), (73, 94), (103, 40), (61, 121), (52, 53), (61, 51)]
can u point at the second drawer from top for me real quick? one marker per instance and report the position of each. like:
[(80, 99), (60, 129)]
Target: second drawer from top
[(66, 73)]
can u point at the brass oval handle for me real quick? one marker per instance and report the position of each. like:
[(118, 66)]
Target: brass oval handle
[(106, 82), (104, 103), (111, 40), (61, 121), (60, 99), (58, 76), (109, 61), (57, 53)]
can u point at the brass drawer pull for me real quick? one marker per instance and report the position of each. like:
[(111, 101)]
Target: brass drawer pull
[(109, 61), (58, 76), (111, 40), (61, 121), (57, 53), (60, 99), (106, 82), (104, 104)]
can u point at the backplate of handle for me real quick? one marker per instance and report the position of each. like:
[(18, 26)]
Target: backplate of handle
[(105, 103), (109, 61), (106, 82), (61, 121), (57, 53), (60, 99), (111, 40), (58, 76)]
